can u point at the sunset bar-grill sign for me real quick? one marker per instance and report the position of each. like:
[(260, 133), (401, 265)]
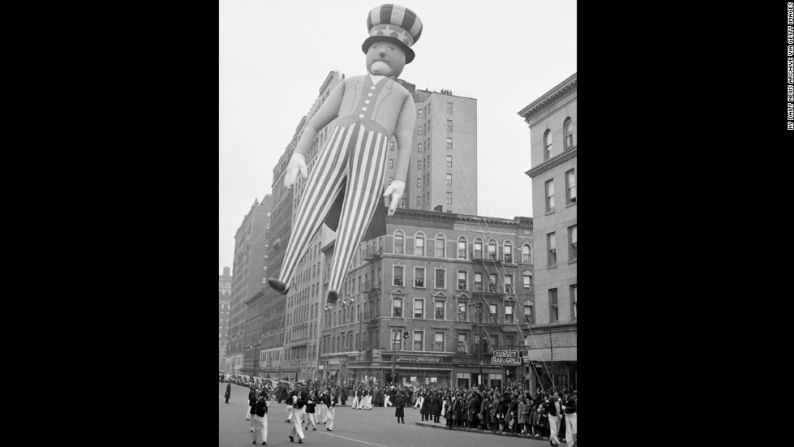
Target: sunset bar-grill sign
[(506, 358)]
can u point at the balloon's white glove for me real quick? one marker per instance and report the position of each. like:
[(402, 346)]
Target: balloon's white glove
[(297, 163), (395, 190)]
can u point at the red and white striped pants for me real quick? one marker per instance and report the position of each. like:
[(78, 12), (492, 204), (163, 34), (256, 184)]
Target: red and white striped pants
[(353, 158)]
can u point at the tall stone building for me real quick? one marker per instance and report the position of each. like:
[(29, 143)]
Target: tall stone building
[(552, 123), (224, 307), (432, 299), (249, 274)]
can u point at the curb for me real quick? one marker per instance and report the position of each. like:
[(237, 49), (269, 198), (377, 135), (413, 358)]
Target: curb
[(484, 432)]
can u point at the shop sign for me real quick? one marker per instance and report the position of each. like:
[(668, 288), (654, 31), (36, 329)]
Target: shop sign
[(418, 359), (506, 358)]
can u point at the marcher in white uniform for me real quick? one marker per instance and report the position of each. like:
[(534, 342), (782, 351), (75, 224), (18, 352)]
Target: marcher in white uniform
[(260, 419), (331, 410), (553, 408), (297, 419), (354, 405)]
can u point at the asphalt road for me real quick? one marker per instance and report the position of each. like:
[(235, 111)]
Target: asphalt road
[(352, 428)]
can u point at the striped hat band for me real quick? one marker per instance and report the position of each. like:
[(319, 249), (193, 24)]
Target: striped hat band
[(394, 21)]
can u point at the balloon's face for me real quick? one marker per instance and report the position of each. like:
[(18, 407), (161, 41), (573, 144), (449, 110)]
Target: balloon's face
[(385, 58)]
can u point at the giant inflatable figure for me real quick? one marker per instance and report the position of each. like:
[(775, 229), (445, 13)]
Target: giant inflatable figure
[(371, 109)]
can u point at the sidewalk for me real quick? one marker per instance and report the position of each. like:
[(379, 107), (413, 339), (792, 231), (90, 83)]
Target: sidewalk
[(485, 432)]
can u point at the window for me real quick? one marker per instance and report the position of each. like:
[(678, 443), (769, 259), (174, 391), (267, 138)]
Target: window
[(462, 281), (419, 183), (419, 341), (492, 283), (419, 164), (527, 281), (449, 161), (547, 145), (509, 283), (551, 243), (492, 249), (438, 341), (449, 198), (420, 147), (449, 126), (419, 201), (549, 195), (462, 344), (508, 252), (492, 313), (461, 248), (419, 308), (553, 309), (461, 311), (396, 340), (449, 144), (439, 307), (419, 277), (449, 107), (419, 244), (397, 307), (508, 314), (572, 243), (441, 277), (397, 276), (526, 254), (573, 301), (449, 179), (478, 282), (570, 186), (441, 243), (420, 114), (399, 243), (391, 163), (477, 249), (567, 132), (421, 129), (528, 314)]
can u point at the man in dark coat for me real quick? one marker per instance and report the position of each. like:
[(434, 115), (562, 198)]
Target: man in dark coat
[(399, 405), (228, 393), (343, 395)]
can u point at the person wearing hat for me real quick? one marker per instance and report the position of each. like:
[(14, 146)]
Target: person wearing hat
[(570, 419), (553, 409), (369, 110), (260, 419), (228, 392)]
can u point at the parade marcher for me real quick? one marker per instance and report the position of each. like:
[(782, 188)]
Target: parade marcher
[(570, 420), (387, 398), (419, 401), (310, 411), (553, 411), (354, 404), (399, 408), (260, 419), (370, 110), (252, 395), (331, 401), (298, 403), (322, 408), (343, 394), (290, 410), (423, 410), (368, 400), (228, 392)]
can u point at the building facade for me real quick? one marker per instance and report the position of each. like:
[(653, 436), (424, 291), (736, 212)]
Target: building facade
[(224, 308), (249, 275), (552, 122), (430, 301)]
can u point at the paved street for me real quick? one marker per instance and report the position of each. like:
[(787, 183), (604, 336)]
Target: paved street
[(376, 427)]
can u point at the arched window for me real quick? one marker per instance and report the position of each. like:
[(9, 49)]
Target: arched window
[(508, 252), (441, 245), (399, 242), (462, 247), (547, 144), (477, 249), (526, 254), (492, 249), (419, 244), (567, 132)]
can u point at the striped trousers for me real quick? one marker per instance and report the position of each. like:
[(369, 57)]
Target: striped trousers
[(353, 158)]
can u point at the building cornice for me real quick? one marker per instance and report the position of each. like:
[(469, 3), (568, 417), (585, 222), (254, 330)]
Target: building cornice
[(409, 212), (552, 162), (556, 92)]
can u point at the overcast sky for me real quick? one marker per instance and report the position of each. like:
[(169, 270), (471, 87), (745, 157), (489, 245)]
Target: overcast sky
[(275, 54)]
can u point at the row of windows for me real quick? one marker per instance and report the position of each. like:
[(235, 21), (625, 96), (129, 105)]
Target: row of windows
[(554, 310), (570, 190), (551, 247), (567, 138), (440, 280), (464, 312), (462, 252)]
